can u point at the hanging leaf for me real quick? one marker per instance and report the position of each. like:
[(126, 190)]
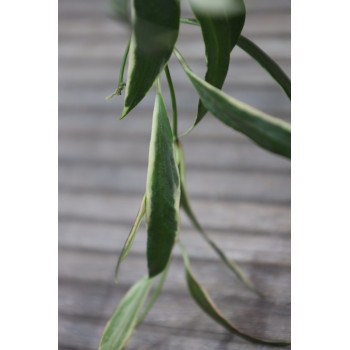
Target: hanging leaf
[(154, 296), (185, 205), (162, 191), (155, 30), (203, 299), (122, 324), (266, 62), (220, 31), (129, 241), (260, 56), (269, 132)]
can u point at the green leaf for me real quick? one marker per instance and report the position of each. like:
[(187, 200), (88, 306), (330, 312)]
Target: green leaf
[(186, 206), (220, 31), (162, 191), (269, 132), (260, 56), (155, 31), (266, 62), (122, 324), (203, 299), (129, 241), (155, 294)]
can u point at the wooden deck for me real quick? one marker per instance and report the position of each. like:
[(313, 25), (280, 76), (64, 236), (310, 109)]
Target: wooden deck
[(241, 194)]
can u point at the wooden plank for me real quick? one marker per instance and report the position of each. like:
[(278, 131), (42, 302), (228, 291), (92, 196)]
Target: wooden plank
[(243, 74), (78, 8), (262, 24), (98, 267), (233, 215), (214, 185), (218, 156), (79, 300), (92, 125), (96, 49), (91, 96), (253, 247), (148, 337)]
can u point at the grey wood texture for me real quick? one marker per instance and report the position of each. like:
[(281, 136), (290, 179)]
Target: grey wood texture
[(240, 193)]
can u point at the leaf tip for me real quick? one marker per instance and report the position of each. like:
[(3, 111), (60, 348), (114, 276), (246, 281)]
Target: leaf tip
[(124, 113)]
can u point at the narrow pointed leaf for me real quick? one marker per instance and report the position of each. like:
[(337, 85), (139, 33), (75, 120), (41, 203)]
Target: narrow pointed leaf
[(155, 30), (267, 131), (266, 62), (220, 31), (260, 56), (155, 295), (122, 324), (162, 192), (185, 205), (130, 239), (204, 301)]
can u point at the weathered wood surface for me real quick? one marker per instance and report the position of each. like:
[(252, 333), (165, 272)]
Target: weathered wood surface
[(240, 193)]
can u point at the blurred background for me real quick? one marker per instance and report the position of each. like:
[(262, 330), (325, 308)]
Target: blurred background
[(240, 193)]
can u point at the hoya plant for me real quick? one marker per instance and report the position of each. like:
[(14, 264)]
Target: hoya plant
[(154, 33)]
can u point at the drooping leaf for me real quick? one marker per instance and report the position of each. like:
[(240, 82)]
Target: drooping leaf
[(185, 205), (267, 131), (203, 299), (220, 31), (124, 319), (154, 296), (155, 30), (266, 62), (130, 239), (260, 56), (162, 191)]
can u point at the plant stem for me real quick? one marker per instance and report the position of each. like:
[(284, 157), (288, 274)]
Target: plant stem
[(121, 83), (189, 21), (158, 86), (173, 101)]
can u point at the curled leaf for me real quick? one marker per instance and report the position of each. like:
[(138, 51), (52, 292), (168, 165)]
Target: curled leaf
[(162, 191), (130, 239), (122, 324), (204, 301), (267, 131)]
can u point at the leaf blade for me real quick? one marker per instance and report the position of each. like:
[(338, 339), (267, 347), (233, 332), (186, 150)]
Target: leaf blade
[(155, 295), (130, 239), (122, 324), (186, 206), (204, 301), (162, 192), (267, 131), (220, 33), (155, 31), (267, 63), (260, 56)]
